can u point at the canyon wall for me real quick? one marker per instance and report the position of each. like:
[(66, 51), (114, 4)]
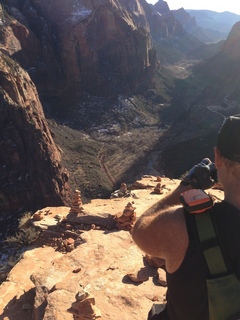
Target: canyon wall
[(31, 174)]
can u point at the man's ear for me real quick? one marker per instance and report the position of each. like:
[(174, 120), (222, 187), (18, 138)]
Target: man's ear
[(218, 159)]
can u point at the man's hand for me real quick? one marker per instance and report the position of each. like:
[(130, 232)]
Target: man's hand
[(202, 175)]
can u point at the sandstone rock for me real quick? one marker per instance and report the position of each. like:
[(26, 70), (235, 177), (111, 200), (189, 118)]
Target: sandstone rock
[(104, 259), (98, 265), (37, 216), (40, 302), (49, 216), (139, 276), (104, 220), (141, 185), (162, 277), (93, 39), (31, 171), (127, 219)]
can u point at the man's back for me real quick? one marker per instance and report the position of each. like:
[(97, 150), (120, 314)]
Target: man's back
[(187, 286)]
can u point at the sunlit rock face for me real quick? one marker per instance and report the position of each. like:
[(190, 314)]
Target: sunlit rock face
[(102, 47), (164, 24), (31, 174), (231, 47), (223, 69)]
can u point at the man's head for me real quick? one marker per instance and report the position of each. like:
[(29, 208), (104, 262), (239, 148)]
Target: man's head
[(228, 141)]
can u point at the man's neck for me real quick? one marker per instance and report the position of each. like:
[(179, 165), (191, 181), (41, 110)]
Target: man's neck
[(233, 197)]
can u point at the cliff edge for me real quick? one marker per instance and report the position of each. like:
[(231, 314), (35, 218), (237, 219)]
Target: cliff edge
[(102, 274)]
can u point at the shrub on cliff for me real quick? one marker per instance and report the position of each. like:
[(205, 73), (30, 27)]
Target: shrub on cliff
[(25, 235)]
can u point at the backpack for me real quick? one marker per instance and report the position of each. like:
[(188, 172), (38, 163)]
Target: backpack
[(223, 286)]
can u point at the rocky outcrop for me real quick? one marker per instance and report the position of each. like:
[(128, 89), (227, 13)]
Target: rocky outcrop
[(168, 34), (223, 69), (100, 47), (31, 174), (231, 47), (101, 277), (162, 7), (30, 42), (163, 23)]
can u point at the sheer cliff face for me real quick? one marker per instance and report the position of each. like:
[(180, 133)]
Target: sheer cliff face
[(30, 171), (223, 69), (101, 46), (231, 47)]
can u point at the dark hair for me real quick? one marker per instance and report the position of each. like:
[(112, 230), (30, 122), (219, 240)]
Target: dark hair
[(228, 141)]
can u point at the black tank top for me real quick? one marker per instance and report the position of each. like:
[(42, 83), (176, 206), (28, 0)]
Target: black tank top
[(187, 291)]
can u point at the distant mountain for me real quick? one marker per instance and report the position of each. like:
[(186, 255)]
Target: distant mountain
[(202, 32), (222, 71), (221, 22), (231, 47), (170, 38)]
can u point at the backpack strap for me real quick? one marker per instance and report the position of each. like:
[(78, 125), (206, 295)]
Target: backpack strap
[(197, 202), (210, 244)]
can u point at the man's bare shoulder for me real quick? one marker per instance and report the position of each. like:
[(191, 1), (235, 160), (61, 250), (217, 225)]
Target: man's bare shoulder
[(166, 215), (163, 235), (171, 213)]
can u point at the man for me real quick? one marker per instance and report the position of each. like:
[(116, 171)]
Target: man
[(166, 230)]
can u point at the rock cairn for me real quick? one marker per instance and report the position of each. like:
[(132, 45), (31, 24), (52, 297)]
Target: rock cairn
[(84, 307), (127, 219), (76, 205), (158, 189)]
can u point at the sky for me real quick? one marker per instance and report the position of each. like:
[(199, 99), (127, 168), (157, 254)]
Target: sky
[(214, 5)]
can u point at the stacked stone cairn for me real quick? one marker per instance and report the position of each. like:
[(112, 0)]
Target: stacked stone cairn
[(158, 189), (127, 219), (84, 307), (76, 205)]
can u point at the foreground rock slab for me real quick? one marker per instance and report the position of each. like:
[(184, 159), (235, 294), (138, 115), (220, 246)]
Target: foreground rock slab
[(100, 266), (121, 280)]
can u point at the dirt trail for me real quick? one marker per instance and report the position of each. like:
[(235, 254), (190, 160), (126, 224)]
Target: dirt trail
[(101, 159)]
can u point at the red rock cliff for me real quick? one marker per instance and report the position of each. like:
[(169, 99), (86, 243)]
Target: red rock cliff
[(101, 46), (31, 174)]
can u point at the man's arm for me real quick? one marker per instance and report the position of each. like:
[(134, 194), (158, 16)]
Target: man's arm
[(161, 227), (161, 230), (169, 200), (199, 177)]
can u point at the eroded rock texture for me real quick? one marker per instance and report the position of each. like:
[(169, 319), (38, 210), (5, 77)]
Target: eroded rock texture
[(31, 174), (102, 47)]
